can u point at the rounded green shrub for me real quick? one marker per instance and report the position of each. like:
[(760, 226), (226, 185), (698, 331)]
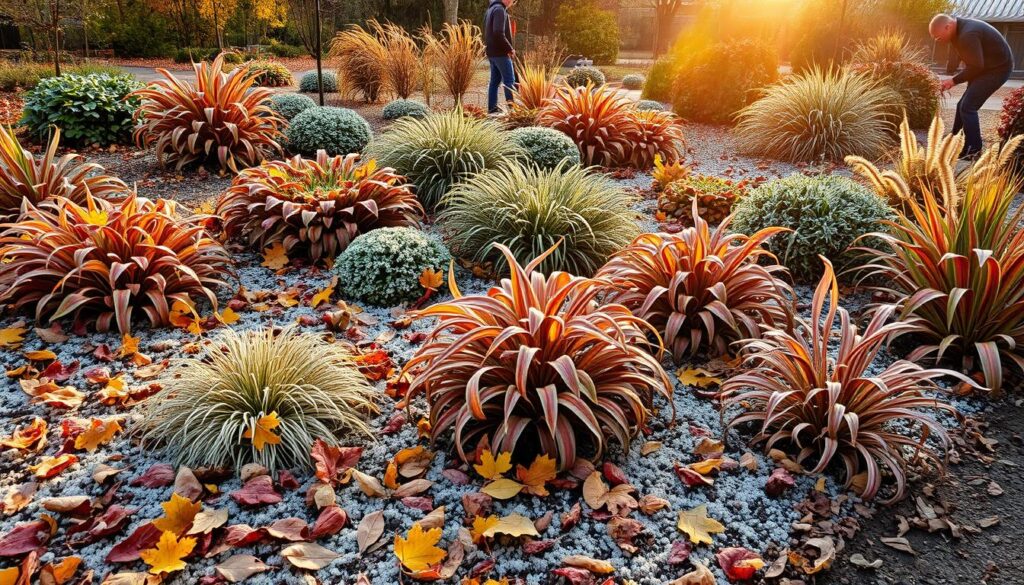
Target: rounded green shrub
[(580, 76), (383, 267), (270, 73), (585, 29), (88, 109), (529, 210), (307, 84), (402, 108), (335, 130), (660, 79), (633, 81), (438, 151), (712, 84), (652, 105), (916, 85), (546, 147), (289, 105), (827, 214)]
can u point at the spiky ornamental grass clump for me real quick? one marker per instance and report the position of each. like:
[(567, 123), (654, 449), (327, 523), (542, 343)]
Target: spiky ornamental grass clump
[(26, 178), (107, 262), (535, 85), (583, 76), (361, 58), (222, 118), (529, 210), (308, 83), (383, 267), (701, 289), (315, 208), (820, 115), (210, 404), (658, 135), (536, 365), (824, 407), (545, 147), (825, 216), (957, 275), (914, 83), (401, 108), (441, 150), (289, 105), (338, 131), (456, 51)]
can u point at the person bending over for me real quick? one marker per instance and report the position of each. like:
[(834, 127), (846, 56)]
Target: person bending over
[(500, 52)]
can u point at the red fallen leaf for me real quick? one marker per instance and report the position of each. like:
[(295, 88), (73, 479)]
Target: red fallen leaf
[(103, 353), (27, 536), (307, 320), (331, 461), (623, 531), (691, 478), (680, 552), (614, 474), (419, 503), (110, 522), (127, 551), (238, 535), (287, 481), (780, 481), (257, 491), (582, 469), (564, 483), (375, 364), (290, 529), (456, 476), (536, 547), (330, 521), (59, 372), (477, 504), (738, 564), (159, 475), (395, 423), (482, 568), (29, 566), (699, 431), (415, 337), (97, 375), (575, 576), (72, 427), (572, 517)]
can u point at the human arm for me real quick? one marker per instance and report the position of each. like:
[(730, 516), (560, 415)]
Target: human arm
[(973, 57)]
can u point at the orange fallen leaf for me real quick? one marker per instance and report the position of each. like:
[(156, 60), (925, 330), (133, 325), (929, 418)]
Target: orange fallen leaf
[(262, 431), (169, 554), (99, 432), (418, 551), (51, 466), (12, 337), (41, 355), (29, 438), (179, 513), (228, 316), (491, 468), (541, 471), (275, 257), (324, 296), (482, 524), (431, 279)]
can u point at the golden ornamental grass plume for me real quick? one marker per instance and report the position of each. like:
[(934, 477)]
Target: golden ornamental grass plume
[(361, 62), (24, 177), (401, 68), (889, 45), (456, 51), (291, 387)]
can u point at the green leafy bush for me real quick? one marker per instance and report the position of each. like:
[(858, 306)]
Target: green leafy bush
[(335, 130), (546, 147), (712, 84), (286, 51), (633, 81), (585, 29), (308, 84), (827, 214), (915, 84), (88, 109), (581, 76), (650, 105), (660, 79), (401, 108), (441, 150), (383, 267), (289, 105), (270, 73), (529, 210), (14, 76)]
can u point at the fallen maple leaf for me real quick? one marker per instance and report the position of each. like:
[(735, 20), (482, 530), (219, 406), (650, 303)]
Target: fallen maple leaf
[(29, 438), (696, 524), (418, 551), (169, 554), (98, 433), (274, 257), (491, 468), (541, 471), (738, 564), (324, 296), (698, 377), (12, 337), (228, 316), (179, 513), (431, 279), (52, 466), (262, 431), (481, 524)]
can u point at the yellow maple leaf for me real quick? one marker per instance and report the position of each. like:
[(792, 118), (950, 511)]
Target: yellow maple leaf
[(12, 336), (274, 257), (482, 524), (129, 346), (40, 355), (169, 554), (179, 513), (324, 296), (707, 466), (114, 392), (541, 471), (503, 488), (696, 524), (491, 468), (99, 432), (262, 432), (228, 317), (418, 551), (698, 377), (431, 279)]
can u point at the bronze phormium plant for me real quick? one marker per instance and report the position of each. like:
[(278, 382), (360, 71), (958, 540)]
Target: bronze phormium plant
[(536, 365), (107, 263), (222, 117), (598, 120), (315, 208), (702, 289), (801, 397)]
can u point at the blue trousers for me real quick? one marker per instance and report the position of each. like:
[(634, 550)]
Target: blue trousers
[(502, 73), (978, 90)]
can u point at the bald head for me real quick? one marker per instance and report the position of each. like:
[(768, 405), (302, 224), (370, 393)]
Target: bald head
[(942, 28)]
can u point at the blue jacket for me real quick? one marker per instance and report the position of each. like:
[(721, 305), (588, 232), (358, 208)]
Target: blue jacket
[(497, 30)]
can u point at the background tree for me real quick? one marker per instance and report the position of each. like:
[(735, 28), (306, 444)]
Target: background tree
[(665, 12), (218, 11), (451, 11), (46, 18)]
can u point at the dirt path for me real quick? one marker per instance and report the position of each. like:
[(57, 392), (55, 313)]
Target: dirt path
[(992, 555)]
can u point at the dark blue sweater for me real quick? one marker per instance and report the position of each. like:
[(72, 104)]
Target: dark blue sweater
[(981, 47), (497, 30)]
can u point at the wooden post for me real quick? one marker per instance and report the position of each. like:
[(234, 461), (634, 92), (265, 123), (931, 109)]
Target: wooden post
[(319, 53)]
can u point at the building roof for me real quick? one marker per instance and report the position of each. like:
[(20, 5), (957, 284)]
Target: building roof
[(991, 10)]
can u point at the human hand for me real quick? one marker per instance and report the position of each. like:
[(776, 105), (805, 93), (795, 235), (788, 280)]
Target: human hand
[(946, 84), (512, 54)]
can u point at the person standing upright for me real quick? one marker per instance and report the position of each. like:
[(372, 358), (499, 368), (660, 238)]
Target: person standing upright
[(500, 52), (988, 63)]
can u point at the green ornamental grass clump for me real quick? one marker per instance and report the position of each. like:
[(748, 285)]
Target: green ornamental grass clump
[(383, 267), (826, 214), (308, 82), (529, 210), (580, 76), (402, 107), (546, 147), (289, 105), (334, 130), (88, 109)]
